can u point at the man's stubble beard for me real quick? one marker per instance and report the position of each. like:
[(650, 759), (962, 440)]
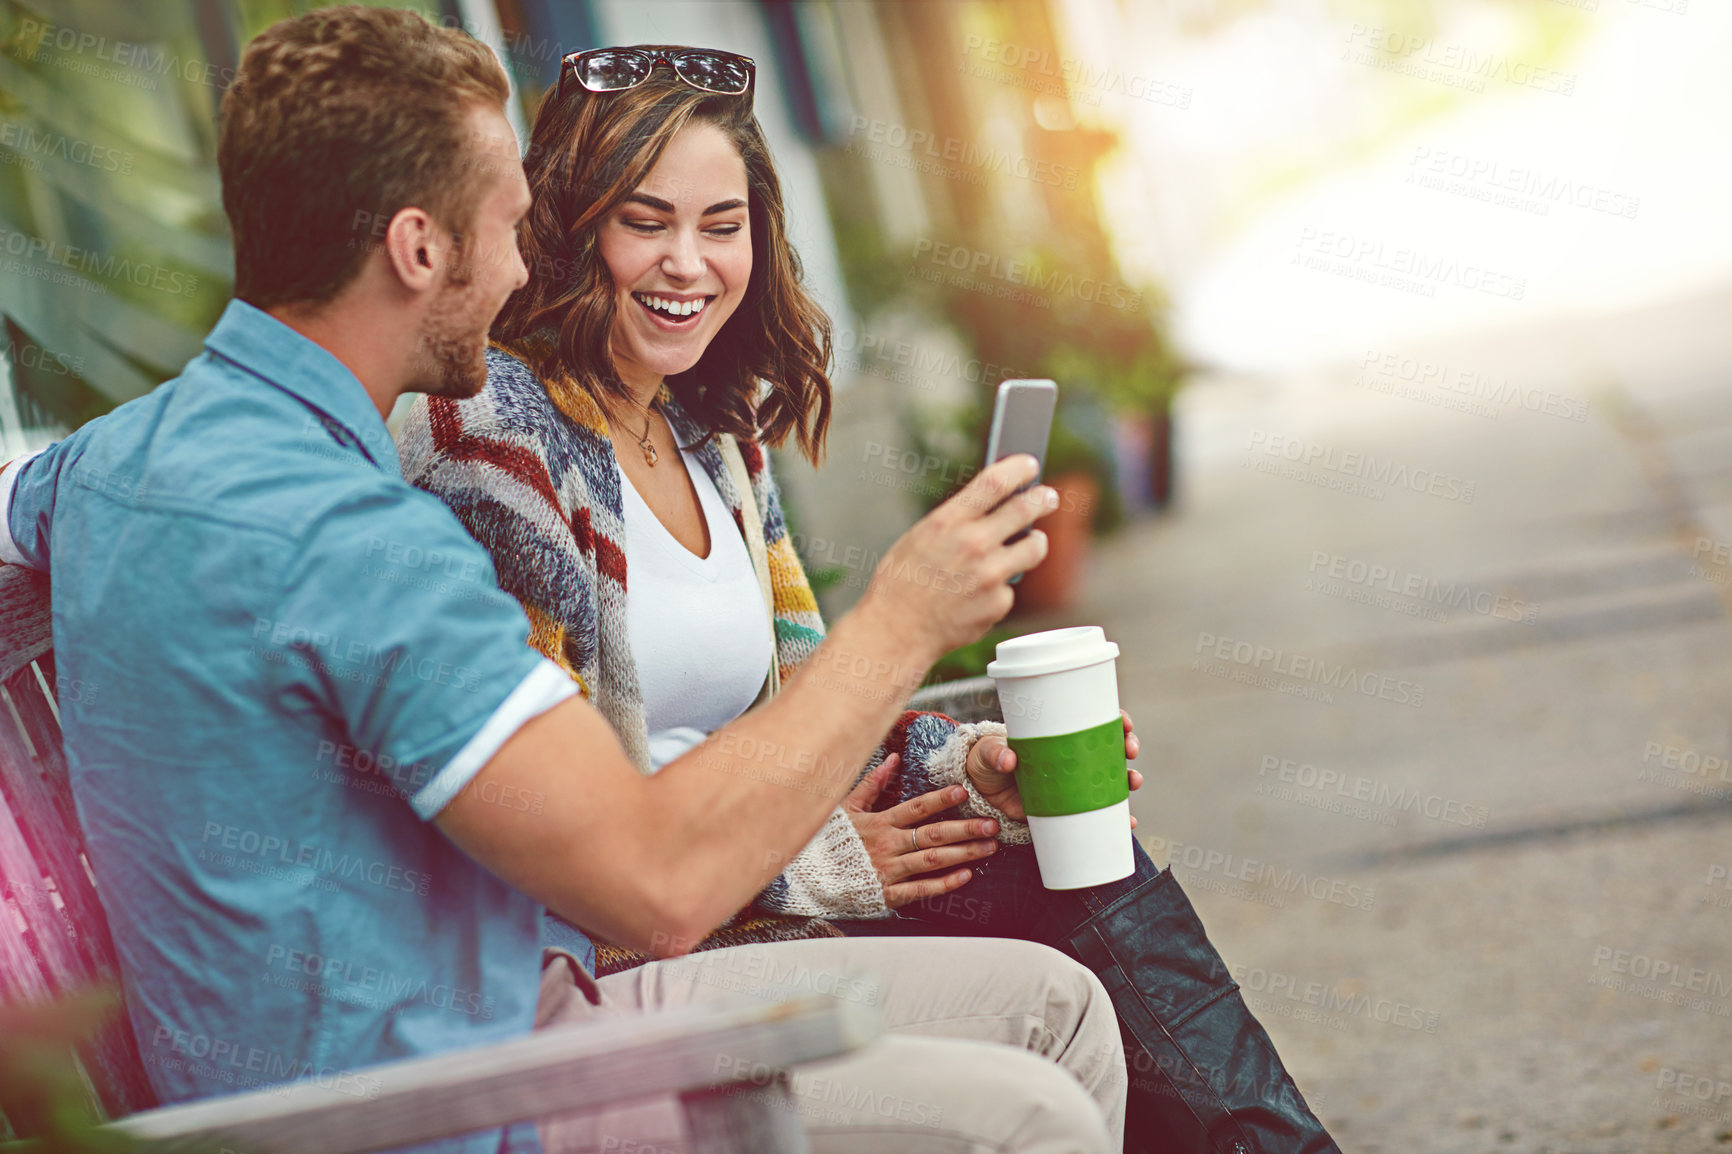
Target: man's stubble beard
[(452, 343)]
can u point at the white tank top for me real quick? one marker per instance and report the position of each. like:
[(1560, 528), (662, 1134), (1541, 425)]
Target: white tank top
[(699, 631)]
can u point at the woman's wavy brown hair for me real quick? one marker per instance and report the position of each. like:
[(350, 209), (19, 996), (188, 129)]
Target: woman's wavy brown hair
[(587, 153)]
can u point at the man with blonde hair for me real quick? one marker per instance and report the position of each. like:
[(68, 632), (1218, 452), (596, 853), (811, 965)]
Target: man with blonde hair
[(330, 790)]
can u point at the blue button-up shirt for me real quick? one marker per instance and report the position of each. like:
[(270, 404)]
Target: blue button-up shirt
[(287, 660)]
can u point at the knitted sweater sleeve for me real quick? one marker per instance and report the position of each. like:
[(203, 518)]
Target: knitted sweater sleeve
[(934, 753), (502, 493), (833, 876)]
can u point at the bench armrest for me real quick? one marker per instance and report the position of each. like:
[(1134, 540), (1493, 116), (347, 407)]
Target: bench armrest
[(564, 1070), (968, 699)]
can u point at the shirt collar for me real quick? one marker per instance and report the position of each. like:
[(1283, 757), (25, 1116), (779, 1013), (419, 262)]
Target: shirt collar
[(264, 346)]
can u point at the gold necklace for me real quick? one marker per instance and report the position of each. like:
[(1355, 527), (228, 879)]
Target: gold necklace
[(649, 450)]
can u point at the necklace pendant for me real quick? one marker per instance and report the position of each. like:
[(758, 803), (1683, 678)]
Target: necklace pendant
[(649, 455)]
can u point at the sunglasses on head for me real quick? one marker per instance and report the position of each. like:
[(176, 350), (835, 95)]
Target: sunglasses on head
[(617, 69)]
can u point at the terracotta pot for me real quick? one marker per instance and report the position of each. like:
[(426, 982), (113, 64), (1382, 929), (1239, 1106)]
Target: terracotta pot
[(1054, 583)]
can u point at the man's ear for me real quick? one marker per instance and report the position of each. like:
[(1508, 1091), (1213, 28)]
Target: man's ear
[(415, 248)]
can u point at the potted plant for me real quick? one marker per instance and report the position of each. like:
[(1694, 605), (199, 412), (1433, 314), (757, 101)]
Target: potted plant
[(1076, 470), (1127, 362), (41, 1089)]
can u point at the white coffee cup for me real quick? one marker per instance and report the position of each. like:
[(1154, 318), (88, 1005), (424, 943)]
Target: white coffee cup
[(1059, 694)]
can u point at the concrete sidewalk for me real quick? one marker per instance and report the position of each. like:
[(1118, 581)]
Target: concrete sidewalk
[(1432, 671)]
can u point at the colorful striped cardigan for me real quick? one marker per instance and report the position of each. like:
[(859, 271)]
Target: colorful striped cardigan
[(528, 468)]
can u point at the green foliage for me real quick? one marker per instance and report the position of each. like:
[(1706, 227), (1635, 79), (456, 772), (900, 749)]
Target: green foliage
[(1139, 378), (107, 175), (822, 577), (1081, 442), (41, 1081), (969, 660), (1074, 323)]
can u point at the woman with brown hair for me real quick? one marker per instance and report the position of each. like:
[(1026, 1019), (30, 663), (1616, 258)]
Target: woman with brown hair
[(664, 337)]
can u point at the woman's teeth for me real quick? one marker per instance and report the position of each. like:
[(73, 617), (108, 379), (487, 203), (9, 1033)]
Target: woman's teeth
[(671, 307)]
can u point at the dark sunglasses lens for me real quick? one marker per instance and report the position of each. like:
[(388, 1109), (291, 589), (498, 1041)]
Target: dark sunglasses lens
[(608, 71), (712, 71)]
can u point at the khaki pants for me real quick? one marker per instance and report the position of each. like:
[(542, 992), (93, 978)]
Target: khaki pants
[(991, 1045)]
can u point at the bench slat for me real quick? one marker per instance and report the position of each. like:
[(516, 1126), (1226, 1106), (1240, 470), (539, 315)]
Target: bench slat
[(22, 977), (70, 946), (568, 1069), (49, 939), (26, 631), (60, 849), (64, 963), (42, 724), (970, 699), (21, 980), (57, 843)]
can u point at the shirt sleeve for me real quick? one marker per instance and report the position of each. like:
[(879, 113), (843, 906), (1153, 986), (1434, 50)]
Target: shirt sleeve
[(28, 487), (390, 619)]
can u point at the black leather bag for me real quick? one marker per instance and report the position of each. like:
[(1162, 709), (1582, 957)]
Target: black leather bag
[(1204, 1076)]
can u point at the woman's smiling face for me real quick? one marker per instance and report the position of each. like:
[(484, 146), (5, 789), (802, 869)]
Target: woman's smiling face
[(679, 250)]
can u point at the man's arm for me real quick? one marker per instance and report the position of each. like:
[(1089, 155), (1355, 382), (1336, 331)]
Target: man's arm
[(28, 486), (656, 863)]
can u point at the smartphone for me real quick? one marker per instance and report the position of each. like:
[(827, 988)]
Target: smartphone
[(1021, 423)]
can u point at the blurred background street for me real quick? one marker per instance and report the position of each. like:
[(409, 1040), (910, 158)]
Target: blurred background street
[(1394, 340), (1448, 996)]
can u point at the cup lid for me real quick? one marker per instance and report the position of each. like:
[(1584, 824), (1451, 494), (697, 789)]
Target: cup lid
[(1053, 651)]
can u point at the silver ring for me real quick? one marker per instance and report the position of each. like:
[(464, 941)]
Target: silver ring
[(914, 836)]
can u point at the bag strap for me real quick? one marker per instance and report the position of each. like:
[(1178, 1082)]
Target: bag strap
[(736, 466)]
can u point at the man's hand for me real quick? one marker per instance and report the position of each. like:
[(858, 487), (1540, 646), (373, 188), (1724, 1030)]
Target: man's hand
[(944, 583), (992, 762), (656, 863)]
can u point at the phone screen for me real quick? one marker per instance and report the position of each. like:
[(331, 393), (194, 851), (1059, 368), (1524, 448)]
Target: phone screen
[(1022, 420), (1021, 423)]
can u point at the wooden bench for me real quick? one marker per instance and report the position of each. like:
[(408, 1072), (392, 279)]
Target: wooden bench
[(967, 699), (54, 941)]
